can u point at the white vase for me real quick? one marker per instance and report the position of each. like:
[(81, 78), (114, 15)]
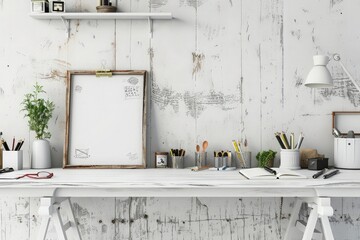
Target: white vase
[(40, 157)]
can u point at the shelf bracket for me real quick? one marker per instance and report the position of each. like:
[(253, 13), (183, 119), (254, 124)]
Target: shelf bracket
[(67, 26), (150, 22)]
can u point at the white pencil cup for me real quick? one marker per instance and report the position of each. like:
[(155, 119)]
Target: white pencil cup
[(13, 159), (290, 159)]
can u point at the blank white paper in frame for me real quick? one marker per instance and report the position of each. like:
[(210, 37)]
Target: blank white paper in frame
[(106, 121)]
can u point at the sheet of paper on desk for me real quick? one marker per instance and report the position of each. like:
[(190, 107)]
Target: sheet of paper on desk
[(10, 175), (262, 174)]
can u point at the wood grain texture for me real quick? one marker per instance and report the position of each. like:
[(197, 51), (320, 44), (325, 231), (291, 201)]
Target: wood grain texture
[(220, 70), (160, 218)]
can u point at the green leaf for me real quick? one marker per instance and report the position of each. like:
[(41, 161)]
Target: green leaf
[(38, 111)]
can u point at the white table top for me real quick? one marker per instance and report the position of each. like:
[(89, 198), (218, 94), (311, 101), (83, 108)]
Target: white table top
[(174, 183)]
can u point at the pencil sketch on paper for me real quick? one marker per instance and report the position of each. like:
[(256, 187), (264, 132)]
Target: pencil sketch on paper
[(81, 153), (132, 92), (78, 88), (133, 80), (132, 156)]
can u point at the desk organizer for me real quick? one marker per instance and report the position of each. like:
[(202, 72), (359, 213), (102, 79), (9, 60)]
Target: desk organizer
[(13, 159), (290, 159), (223, 161), (177, 161), (347, 153), (201, 159)]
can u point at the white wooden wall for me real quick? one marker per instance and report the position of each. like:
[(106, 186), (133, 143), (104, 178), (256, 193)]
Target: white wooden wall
[(221, 70)]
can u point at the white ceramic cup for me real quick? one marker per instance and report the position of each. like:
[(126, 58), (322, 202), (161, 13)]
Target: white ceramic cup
[(290, 159)]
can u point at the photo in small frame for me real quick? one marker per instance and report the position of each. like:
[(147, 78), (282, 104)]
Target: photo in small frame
[(58, 6)]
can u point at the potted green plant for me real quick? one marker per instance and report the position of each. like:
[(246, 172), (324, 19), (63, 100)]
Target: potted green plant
[(266, 158), (39, 112)]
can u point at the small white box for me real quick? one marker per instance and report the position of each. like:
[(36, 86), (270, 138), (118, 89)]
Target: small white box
[(13, 159)]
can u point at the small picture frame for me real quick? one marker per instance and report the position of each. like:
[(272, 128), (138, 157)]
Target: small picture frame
[(39, 6), (161, 159), (58, 6)]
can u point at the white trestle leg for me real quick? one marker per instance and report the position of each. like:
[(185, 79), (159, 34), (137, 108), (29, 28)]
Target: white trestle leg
[(320, 208), (50, 210)]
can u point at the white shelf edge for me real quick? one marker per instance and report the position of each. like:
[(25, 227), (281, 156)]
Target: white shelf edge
[(105, 16)]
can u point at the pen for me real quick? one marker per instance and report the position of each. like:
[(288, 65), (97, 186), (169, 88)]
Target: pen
[(22, 142), (331, 174), (17, 145), (318, 174), (272, 171)]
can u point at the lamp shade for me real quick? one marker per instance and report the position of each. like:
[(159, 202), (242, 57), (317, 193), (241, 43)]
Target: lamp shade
[(319, 76)]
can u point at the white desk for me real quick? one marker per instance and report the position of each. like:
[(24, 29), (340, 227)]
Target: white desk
[(179, 183)]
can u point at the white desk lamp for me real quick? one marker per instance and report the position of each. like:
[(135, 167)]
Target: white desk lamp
[(320, 77), (345, 149)]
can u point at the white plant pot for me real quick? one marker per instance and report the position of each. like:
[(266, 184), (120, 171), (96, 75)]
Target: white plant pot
[(40, 157)]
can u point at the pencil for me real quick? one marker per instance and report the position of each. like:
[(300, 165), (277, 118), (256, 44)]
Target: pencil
[(277, 135), (284, 139), (13, 144)]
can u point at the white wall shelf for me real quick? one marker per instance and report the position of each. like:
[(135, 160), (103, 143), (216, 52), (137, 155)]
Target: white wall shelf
[(66, 17)]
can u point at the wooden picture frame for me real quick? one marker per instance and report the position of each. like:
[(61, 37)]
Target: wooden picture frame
[(348, 118), (105, 119)]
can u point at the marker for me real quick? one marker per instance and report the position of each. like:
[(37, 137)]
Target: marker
[(331, 174), (272, 171), (318, 174), (19, 144)]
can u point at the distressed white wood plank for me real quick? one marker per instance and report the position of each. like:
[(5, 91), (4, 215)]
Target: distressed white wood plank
[(176, 183), (172, 85), (95, 217), (251, 75), (200, 218), (14, 218), (272, 89), (217, 75)]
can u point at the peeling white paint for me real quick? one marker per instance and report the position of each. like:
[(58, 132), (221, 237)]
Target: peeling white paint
[(221, 69)]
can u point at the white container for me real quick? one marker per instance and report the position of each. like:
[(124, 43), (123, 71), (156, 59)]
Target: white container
[(290, 159), (13, 159), (40, 157), (347, 153)]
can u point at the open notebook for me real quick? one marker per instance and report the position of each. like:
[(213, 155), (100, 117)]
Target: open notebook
[(261, 173)]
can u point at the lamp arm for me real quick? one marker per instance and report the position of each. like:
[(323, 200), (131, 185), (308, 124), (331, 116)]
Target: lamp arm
[(338, 59)]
